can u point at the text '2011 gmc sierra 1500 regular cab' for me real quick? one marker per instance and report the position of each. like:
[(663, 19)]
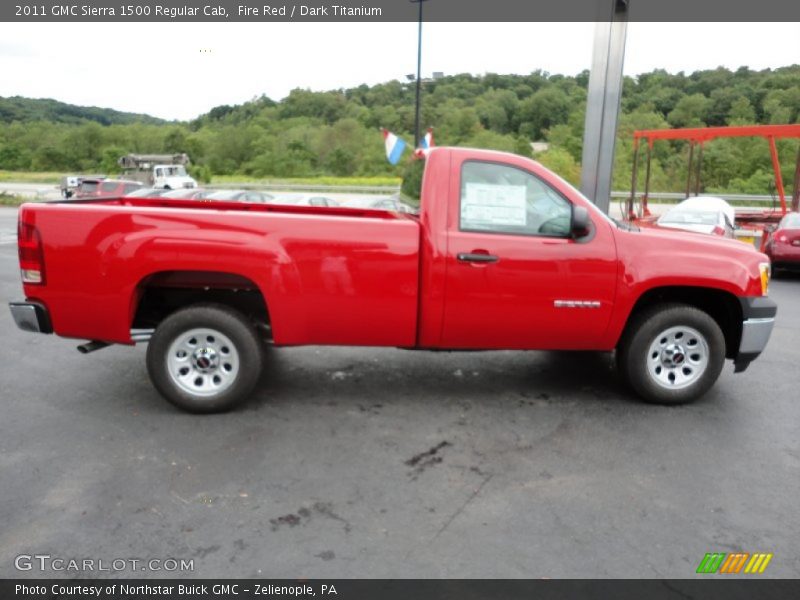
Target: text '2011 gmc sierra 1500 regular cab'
[(504, 254)]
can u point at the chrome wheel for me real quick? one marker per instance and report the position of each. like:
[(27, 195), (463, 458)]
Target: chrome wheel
[(677, 357), (203, 362)]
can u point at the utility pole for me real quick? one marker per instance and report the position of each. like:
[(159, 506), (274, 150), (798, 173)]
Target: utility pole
[(419, 73), (603, 101)]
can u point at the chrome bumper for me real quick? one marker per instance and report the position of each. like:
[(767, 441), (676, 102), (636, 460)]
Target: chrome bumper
[(31, 316), (759, 319), (755, 335)]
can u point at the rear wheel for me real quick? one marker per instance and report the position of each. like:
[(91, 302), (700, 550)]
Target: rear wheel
[(671, 354), (205, 358)]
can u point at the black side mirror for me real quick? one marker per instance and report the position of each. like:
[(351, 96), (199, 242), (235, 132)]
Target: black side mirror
[(581, 223)]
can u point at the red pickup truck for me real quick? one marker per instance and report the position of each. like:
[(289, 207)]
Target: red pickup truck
[(504, 254)]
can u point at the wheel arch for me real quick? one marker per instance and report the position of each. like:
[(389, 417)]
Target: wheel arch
[(723, 306), (160, 293)]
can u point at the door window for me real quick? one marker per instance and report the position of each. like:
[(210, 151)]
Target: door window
[(498, 198)]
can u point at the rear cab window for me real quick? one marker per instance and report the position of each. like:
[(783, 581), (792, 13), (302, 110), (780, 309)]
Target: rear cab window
[(88, 186)]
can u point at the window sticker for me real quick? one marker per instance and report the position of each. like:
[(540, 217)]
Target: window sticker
[(490, 205)]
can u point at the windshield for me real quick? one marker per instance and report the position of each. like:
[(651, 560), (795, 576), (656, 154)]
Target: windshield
[(174, 171), (792, 220), (225, 195), (686, 217), (592, 205)]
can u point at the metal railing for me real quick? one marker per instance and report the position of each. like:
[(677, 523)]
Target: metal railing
[(678, 196)]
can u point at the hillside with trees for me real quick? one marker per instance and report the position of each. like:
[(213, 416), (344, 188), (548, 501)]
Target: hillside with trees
[(17, 108), (336, 132)]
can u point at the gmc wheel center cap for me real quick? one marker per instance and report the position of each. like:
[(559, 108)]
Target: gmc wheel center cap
[(673, 355), (205, 360)]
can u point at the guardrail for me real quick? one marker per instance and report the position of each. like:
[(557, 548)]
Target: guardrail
[(391, 189), (655, 196)]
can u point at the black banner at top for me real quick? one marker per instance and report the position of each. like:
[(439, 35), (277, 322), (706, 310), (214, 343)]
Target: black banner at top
[(398, 10)]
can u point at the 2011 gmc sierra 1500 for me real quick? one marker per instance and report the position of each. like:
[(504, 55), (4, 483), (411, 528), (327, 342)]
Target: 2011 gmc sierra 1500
[(504, 254)]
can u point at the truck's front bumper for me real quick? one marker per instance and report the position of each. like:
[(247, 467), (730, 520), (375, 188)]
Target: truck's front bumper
[(759, 319), (31, 316)]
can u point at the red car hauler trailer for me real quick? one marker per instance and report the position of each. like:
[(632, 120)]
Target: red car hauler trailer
[(637, 209)]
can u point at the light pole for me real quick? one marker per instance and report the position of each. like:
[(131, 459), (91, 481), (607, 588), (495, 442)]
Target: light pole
[(419, 73)]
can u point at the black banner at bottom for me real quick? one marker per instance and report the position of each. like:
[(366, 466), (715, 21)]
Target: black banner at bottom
[(400, 589)]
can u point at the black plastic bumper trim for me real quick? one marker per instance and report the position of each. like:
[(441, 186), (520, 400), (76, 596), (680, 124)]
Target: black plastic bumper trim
[(758, 307)]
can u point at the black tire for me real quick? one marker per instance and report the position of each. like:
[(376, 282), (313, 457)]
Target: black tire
[(647, 364), (222, 367)]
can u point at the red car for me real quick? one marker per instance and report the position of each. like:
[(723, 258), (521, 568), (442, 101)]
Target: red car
[(105, 188), (783, 244), (504, 254)]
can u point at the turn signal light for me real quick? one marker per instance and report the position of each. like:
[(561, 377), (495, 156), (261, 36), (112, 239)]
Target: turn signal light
[(764, 270)]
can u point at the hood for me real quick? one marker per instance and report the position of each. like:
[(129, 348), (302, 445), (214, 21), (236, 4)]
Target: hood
[(689, 239), (689, 227), (654, 257)]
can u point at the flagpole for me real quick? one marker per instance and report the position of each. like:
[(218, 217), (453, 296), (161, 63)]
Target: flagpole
[(419, 74)]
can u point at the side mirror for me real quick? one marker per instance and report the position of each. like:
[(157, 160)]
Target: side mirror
[(581, 223)]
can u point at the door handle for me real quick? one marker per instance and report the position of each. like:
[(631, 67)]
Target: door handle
[(477, 258)]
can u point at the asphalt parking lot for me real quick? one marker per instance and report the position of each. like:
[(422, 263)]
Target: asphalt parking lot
[(388, 463)]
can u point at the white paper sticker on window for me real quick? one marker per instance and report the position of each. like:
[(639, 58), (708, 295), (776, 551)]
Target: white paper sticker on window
[(487, 205)]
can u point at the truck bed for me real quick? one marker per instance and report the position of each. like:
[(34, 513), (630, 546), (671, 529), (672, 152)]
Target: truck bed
[(222, 205), (328, 275)]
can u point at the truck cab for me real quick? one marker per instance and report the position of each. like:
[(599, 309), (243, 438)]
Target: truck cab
[(173, 177)]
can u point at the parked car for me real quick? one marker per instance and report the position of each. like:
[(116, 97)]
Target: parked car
[(146, 192), (392, 203), (186, 194), (480, 268), (241, 196), (703, 214), (88, 187), (106, 188), (783, 243), (304, 200)]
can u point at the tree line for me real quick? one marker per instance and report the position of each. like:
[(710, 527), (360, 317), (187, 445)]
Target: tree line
[(337, 132)]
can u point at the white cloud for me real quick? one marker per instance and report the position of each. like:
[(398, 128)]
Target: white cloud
[(180, 70)]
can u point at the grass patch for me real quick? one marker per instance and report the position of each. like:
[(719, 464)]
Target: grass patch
[(12, 199), (31, 177)]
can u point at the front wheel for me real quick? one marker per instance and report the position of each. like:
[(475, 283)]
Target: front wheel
[(671, 354), (205, 358)]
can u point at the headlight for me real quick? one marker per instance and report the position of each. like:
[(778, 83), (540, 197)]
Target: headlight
[(764, 270)]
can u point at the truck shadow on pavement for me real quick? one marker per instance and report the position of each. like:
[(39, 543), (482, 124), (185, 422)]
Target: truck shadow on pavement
[(368, 376)]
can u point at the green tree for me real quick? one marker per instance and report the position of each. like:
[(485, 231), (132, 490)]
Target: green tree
[(690, 111)]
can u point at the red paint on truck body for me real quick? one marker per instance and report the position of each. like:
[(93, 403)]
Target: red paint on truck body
[(375, 278)]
